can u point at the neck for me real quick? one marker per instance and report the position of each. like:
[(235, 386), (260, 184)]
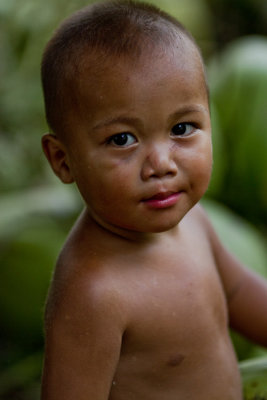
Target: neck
[(125, 234)]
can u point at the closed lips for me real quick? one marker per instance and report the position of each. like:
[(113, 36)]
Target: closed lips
[(161, 196)]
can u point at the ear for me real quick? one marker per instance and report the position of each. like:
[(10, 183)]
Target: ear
[(57, 157)]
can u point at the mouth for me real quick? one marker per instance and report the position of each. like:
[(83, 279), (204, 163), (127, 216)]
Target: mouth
[(162, 199)]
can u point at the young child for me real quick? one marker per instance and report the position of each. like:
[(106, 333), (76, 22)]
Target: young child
[(143, 292)]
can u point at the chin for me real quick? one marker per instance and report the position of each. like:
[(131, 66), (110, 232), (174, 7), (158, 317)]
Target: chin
[(163, 227)]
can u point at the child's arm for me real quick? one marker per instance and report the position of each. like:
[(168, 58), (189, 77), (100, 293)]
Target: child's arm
[(246, 293), (83, 340)]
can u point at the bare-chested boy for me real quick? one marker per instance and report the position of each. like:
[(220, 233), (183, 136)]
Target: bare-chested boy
[(144, 292)]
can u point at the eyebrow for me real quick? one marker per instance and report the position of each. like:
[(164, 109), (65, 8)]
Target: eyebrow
[(121, 119), (196, 108), (118, 120)]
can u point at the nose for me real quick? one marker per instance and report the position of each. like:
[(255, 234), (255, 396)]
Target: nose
[(159, 162)]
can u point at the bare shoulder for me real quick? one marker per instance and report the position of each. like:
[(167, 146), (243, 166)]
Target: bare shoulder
[(84, 324), (199, 215), (198, 222), (228, 266), (232, 273), (83, 285), (200, 219)]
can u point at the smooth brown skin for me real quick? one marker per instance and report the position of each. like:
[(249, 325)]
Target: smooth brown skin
[(142, 298)]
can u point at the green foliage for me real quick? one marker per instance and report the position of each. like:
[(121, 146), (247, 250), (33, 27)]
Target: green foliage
[(26, 265), (238, 79), (23, 374), (34, 224), (33, 232), (239, 236), (254, 373), (24, 31)]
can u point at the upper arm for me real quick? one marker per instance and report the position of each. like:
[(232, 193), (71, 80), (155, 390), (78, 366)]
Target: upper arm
[(83, 341), (246, 292)]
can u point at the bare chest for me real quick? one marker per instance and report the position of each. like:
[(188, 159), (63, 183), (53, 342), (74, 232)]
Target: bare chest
[(177, 331), (175, 306)]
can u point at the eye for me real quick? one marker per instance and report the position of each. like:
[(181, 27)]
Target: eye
[(182, 129), (122, 139)]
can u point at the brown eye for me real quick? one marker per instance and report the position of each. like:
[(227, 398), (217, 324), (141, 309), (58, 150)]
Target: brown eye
[(182, 129), (122, 139)]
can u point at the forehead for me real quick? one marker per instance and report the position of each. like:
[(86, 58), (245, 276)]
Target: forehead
[(181, 54), (104, 81)]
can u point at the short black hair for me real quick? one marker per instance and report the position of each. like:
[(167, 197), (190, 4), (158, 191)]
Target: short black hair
[(114, 28)]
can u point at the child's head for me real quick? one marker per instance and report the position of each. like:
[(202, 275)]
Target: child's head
[(99, 34), (126, 98)]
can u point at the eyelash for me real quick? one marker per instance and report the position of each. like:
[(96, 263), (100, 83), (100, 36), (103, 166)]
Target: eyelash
[(181, 126), (124, 136)]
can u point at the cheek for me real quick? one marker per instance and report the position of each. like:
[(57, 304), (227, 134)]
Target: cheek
[(106, 185), (203, 168), (118, 186), (200, 165)]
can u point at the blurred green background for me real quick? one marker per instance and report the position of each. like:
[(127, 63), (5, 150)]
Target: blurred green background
[(36, 211)]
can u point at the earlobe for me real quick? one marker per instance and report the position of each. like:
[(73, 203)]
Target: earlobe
[(57, 157)]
